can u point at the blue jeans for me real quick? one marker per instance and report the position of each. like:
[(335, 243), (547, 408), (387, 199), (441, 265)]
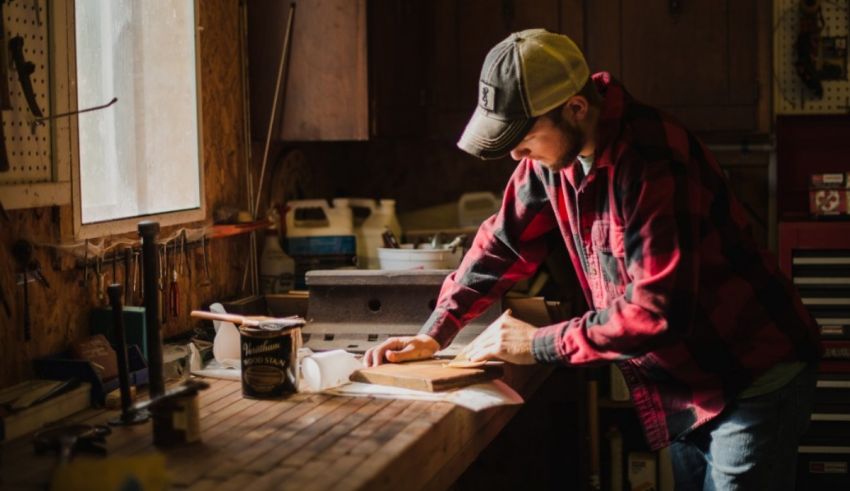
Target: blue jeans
[(751, 445)]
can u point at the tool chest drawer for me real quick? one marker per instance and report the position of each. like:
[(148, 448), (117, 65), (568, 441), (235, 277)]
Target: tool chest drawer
[(816, 257)]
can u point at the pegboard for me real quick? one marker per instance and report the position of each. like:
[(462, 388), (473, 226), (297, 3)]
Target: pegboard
[(27, 146), (791, 96)]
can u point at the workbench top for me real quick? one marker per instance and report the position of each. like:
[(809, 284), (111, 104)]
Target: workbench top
[(314, 441)]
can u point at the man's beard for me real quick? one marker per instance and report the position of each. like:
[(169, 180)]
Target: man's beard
[(575, 140)]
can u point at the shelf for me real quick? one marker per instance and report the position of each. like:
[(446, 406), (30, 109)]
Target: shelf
[(609, 404), (221, 231)]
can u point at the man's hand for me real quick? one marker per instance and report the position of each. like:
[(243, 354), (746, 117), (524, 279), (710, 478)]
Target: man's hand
[(400, 349), (507, 338)]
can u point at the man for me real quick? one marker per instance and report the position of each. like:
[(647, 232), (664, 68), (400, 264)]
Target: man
[(715, 345)]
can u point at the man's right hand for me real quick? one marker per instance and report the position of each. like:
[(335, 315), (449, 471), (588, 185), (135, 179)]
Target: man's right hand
[(400, 349)]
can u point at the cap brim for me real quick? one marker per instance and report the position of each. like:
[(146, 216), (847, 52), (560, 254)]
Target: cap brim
[(487, 137)]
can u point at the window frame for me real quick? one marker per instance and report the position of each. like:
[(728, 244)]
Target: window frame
[(66, 149)]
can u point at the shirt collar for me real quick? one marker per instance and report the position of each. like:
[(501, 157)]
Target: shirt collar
[(615, 98)]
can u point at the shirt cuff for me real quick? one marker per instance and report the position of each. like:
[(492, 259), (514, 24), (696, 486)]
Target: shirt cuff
[(441, 326), (544, 344)]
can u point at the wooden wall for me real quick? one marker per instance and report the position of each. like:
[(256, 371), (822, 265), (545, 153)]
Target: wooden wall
[(60, 314)]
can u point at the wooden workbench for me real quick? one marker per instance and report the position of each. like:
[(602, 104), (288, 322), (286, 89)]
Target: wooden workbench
[(314, 441)]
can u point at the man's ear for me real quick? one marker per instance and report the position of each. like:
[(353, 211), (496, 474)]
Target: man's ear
[(576, 107)]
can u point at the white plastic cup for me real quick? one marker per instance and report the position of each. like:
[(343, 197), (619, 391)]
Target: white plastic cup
[(328, 369)]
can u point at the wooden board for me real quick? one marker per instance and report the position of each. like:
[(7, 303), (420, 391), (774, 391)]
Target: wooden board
[(429, 375)]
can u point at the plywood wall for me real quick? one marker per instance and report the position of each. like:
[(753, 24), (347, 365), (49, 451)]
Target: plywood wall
[(60, 315)]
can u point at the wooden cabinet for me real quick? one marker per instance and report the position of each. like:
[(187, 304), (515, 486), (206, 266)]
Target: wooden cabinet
[(414, 70), (464, 31), (705, 61), (357, 69), (325, 96), (398, 65)]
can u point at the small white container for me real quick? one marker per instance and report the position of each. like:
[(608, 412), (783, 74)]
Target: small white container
[(371, 218), (409, 258)]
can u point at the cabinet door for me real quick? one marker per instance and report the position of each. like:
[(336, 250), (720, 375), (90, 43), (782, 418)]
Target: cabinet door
[(702, 60), (325, 96), (464, 31), (398, 65)]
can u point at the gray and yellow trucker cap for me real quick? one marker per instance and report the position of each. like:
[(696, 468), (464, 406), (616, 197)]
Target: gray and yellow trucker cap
[(526, 75)]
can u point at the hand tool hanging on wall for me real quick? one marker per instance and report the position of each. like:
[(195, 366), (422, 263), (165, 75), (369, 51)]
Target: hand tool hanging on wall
[(100, 281), (808, 42), (174, 296), (163, 286), (127, 417), (137, 273), (85, 281), (39, 121), (34, 268), (187, 265), (5, 100), (128, 263), (148, 231), (22, 252), (207, 281), (37, 10), (25, 69)]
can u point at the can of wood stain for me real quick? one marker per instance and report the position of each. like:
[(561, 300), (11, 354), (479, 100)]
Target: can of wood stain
[(269, 360)]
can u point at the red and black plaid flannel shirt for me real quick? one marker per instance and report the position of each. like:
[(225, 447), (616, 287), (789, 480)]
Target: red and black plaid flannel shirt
[(682, 298)]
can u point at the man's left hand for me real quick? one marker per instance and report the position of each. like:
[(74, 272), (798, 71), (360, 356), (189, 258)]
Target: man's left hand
[(507, 338)]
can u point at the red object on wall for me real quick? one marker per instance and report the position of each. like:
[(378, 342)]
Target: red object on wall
[(829, 202), (807, 145)]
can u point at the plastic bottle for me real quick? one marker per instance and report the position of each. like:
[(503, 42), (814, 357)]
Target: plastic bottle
[(372, 218), (277, 269)]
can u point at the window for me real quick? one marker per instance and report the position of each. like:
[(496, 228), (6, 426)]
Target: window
[(140, 157)]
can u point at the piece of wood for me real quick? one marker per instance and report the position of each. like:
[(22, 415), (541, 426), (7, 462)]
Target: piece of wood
[(428, 375), (97, 351), (26, 420), (249, 320)]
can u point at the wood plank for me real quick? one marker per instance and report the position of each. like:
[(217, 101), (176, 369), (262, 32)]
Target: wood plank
[(266, 438), (192, 462), (273, 479), (315, 448), (377, 446), (428, 375), (203, 485), (300, 431), (298, 443), (236, 482)]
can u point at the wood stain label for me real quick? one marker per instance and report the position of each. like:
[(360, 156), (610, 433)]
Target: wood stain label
[(268, 361)]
